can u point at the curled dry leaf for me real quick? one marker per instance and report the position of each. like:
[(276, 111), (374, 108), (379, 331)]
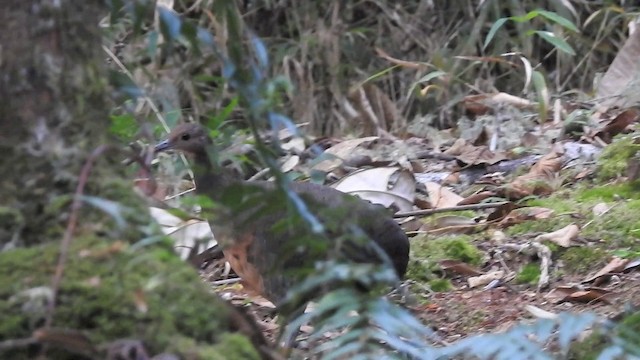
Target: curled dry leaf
[(616, 265), (388, 186), (579, 294), (618, 124), (538, 180), (562, 237), (477, 198), (485, 279), (588, 296)]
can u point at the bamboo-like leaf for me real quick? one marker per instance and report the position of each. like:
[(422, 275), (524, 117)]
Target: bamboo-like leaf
[(557, 42), (492, 32)]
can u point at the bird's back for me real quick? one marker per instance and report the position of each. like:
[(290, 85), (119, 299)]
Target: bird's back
[(271, 246)]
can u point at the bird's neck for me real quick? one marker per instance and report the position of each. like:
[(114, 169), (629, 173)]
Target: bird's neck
[(211, 179)]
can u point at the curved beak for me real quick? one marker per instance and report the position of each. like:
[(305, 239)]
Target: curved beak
[(162, 146)]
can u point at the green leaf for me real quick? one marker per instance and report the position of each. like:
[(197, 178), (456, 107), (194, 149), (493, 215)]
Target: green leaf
[(111, 208), (540, 85), (492, 32), (557, 42), (526, 17), (564, 22), (430, 76), (379, 74), (216, 121), (123, 126)]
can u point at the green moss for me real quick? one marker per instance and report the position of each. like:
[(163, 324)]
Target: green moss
[(627, 332), (614, 159), (582, 259), (454, 248), (530, 274), (629, 329), (619, 227), (419, 270), (589, 348), (607, 193), (111, 292), (440, 285)]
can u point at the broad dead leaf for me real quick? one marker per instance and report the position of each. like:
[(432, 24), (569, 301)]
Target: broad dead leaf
[(616, 265), (388, 186), (579, 294), (618, 86), (521, 215), (441, 197), (459, 267), (561, 237), (618, 124), (539, 179)]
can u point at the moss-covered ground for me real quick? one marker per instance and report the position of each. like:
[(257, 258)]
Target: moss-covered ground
[(111, 292)]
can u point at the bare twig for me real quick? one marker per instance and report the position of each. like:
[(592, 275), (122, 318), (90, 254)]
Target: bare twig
[(447, 209), (71, 226)]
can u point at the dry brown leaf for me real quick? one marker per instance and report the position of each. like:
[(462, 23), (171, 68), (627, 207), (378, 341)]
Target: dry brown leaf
[(440, 196), (561, 237), (477, 198), (618, 124), (538, 180), (459, 267), (140, 301), (501, 212), (588, 296), (579, 294), (520, 215), (452, 224), (616, 265)]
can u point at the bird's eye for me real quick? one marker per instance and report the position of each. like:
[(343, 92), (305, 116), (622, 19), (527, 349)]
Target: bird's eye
[(185, 137)]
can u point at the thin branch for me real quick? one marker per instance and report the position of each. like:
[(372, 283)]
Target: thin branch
[(71, 226), (448, 209)]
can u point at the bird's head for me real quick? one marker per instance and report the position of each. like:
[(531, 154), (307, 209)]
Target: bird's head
[(189, 138)]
